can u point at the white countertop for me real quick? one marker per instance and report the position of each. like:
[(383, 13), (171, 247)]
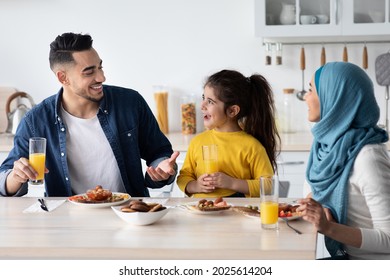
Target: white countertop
[(87, 233)]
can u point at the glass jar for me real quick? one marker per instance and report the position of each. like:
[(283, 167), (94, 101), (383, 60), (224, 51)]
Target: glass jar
[(268, 53), (278, 52), (161, 99), (288, 120), (188, 114)]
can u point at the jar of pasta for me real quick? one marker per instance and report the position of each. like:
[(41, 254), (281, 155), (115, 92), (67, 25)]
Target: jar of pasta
[(188, 114), (161, 99)]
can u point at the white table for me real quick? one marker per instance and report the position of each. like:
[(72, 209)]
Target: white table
[(74, 232)]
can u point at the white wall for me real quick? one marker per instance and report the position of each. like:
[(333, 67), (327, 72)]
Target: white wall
[(147, 42)]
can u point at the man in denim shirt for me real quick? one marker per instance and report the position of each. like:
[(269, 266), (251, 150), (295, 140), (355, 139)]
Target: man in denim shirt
[(96, 134)]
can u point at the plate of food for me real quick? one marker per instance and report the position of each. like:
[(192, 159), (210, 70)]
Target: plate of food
[(286, 211), (99, 198), (207, 207)]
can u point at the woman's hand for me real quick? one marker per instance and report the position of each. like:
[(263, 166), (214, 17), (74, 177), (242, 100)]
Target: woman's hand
[(313, 212)]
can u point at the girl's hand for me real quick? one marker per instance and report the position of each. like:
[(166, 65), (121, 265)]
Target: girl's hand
[(218, 180), (203, 185)]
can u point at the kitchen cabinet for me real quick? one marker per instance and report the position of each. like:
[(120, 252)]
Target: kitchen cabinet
[(321, 20), (292, 168)]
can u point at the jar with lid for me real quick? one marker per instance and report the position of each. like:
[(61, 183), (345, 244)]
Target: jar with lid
[(288, 117), (188, 114)]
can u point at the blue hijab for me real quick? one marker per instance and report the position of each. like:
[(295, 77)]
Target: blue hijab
[(348, 118)]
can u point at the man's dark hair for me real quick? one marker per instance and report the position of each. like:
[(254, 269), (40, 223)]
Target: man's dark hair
[(62, 48)]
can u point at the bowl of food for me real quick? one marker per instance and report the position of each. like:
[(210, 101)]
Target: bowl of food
[(140, 213)]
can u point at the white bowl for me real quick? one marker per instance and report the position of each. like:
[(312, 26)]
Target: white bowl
[(139, 218)]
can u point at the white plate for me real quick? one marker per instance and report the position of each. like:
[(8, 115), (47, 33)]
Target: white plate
[(189, 208), (291, 218), (295, 217), (102, 204)]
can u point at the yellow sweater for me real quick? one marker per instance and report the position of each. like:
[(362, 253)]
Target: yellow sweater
[(240, 155)]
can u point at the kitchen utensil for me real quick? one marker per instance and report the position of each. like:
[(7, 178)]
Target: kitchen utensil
[(323, 56), (288, 224), (17, 114), (43, 205), (301, 94), (365, 58), (382, 71), (287, 15), (345, 54)]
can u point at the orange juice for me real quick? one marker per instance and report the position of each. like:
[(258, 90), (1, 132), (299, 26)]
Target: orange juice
[(37, 161), (210, 166), (269, 212)]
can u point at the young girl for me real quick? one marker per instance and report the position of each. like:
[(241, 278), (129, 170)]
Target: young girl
[(238, 113)]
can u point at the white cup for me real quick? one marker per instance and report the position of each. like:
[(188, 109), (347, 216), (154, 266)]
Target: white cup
[(322, 19), (308, 19)]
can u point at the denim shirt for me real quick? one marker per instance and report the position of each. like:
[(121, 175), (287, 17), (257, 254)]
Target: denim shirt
[(129, 125)]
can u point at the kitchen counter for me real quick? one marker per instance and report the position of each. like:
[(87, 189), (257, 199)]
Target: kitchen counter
[(291, 142), (90, 233)]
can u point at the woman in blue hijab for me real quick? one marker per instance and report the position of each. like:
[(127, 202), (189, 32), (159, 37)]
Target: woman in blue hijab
[(348, 167)]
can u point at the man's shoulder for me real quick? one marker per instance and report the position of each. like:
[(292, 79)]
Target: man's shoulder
[(109, 89)]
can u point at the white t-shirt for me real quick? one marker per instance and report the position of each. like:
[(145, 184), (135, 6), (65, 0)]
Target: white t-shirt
[(369, 202), (91, 160)]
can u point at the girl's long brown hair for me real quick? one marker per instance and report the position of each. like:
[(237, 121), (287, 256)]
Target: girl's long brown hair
[(254, 96)]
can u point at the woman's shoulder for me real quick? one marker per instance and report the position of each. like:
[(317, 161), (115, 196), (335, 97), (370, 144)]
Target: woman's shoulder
[(372, 161), (373, 152)]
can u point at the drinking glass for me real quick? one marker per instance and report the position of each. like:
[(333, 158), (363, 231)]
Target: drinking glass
[(37, 158), (269, 204), (210, 158)]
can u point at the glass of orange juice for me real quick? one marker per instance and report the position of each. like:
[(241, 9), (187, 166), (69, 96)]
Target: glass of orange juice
[(269, 202), (37, 158), (210, 158)]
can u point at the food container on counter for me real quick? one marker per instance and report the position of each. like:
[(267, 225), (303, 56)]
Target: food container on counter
[(161, 99), (288, 120), (188, 114)]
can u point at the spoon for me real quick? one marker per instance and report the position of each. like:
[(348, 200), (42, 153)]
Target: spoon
[(301, 94)]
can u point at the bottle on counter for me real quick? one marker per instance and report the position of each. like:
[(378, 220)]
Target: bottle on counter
[(288, 116), (188, 114)]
